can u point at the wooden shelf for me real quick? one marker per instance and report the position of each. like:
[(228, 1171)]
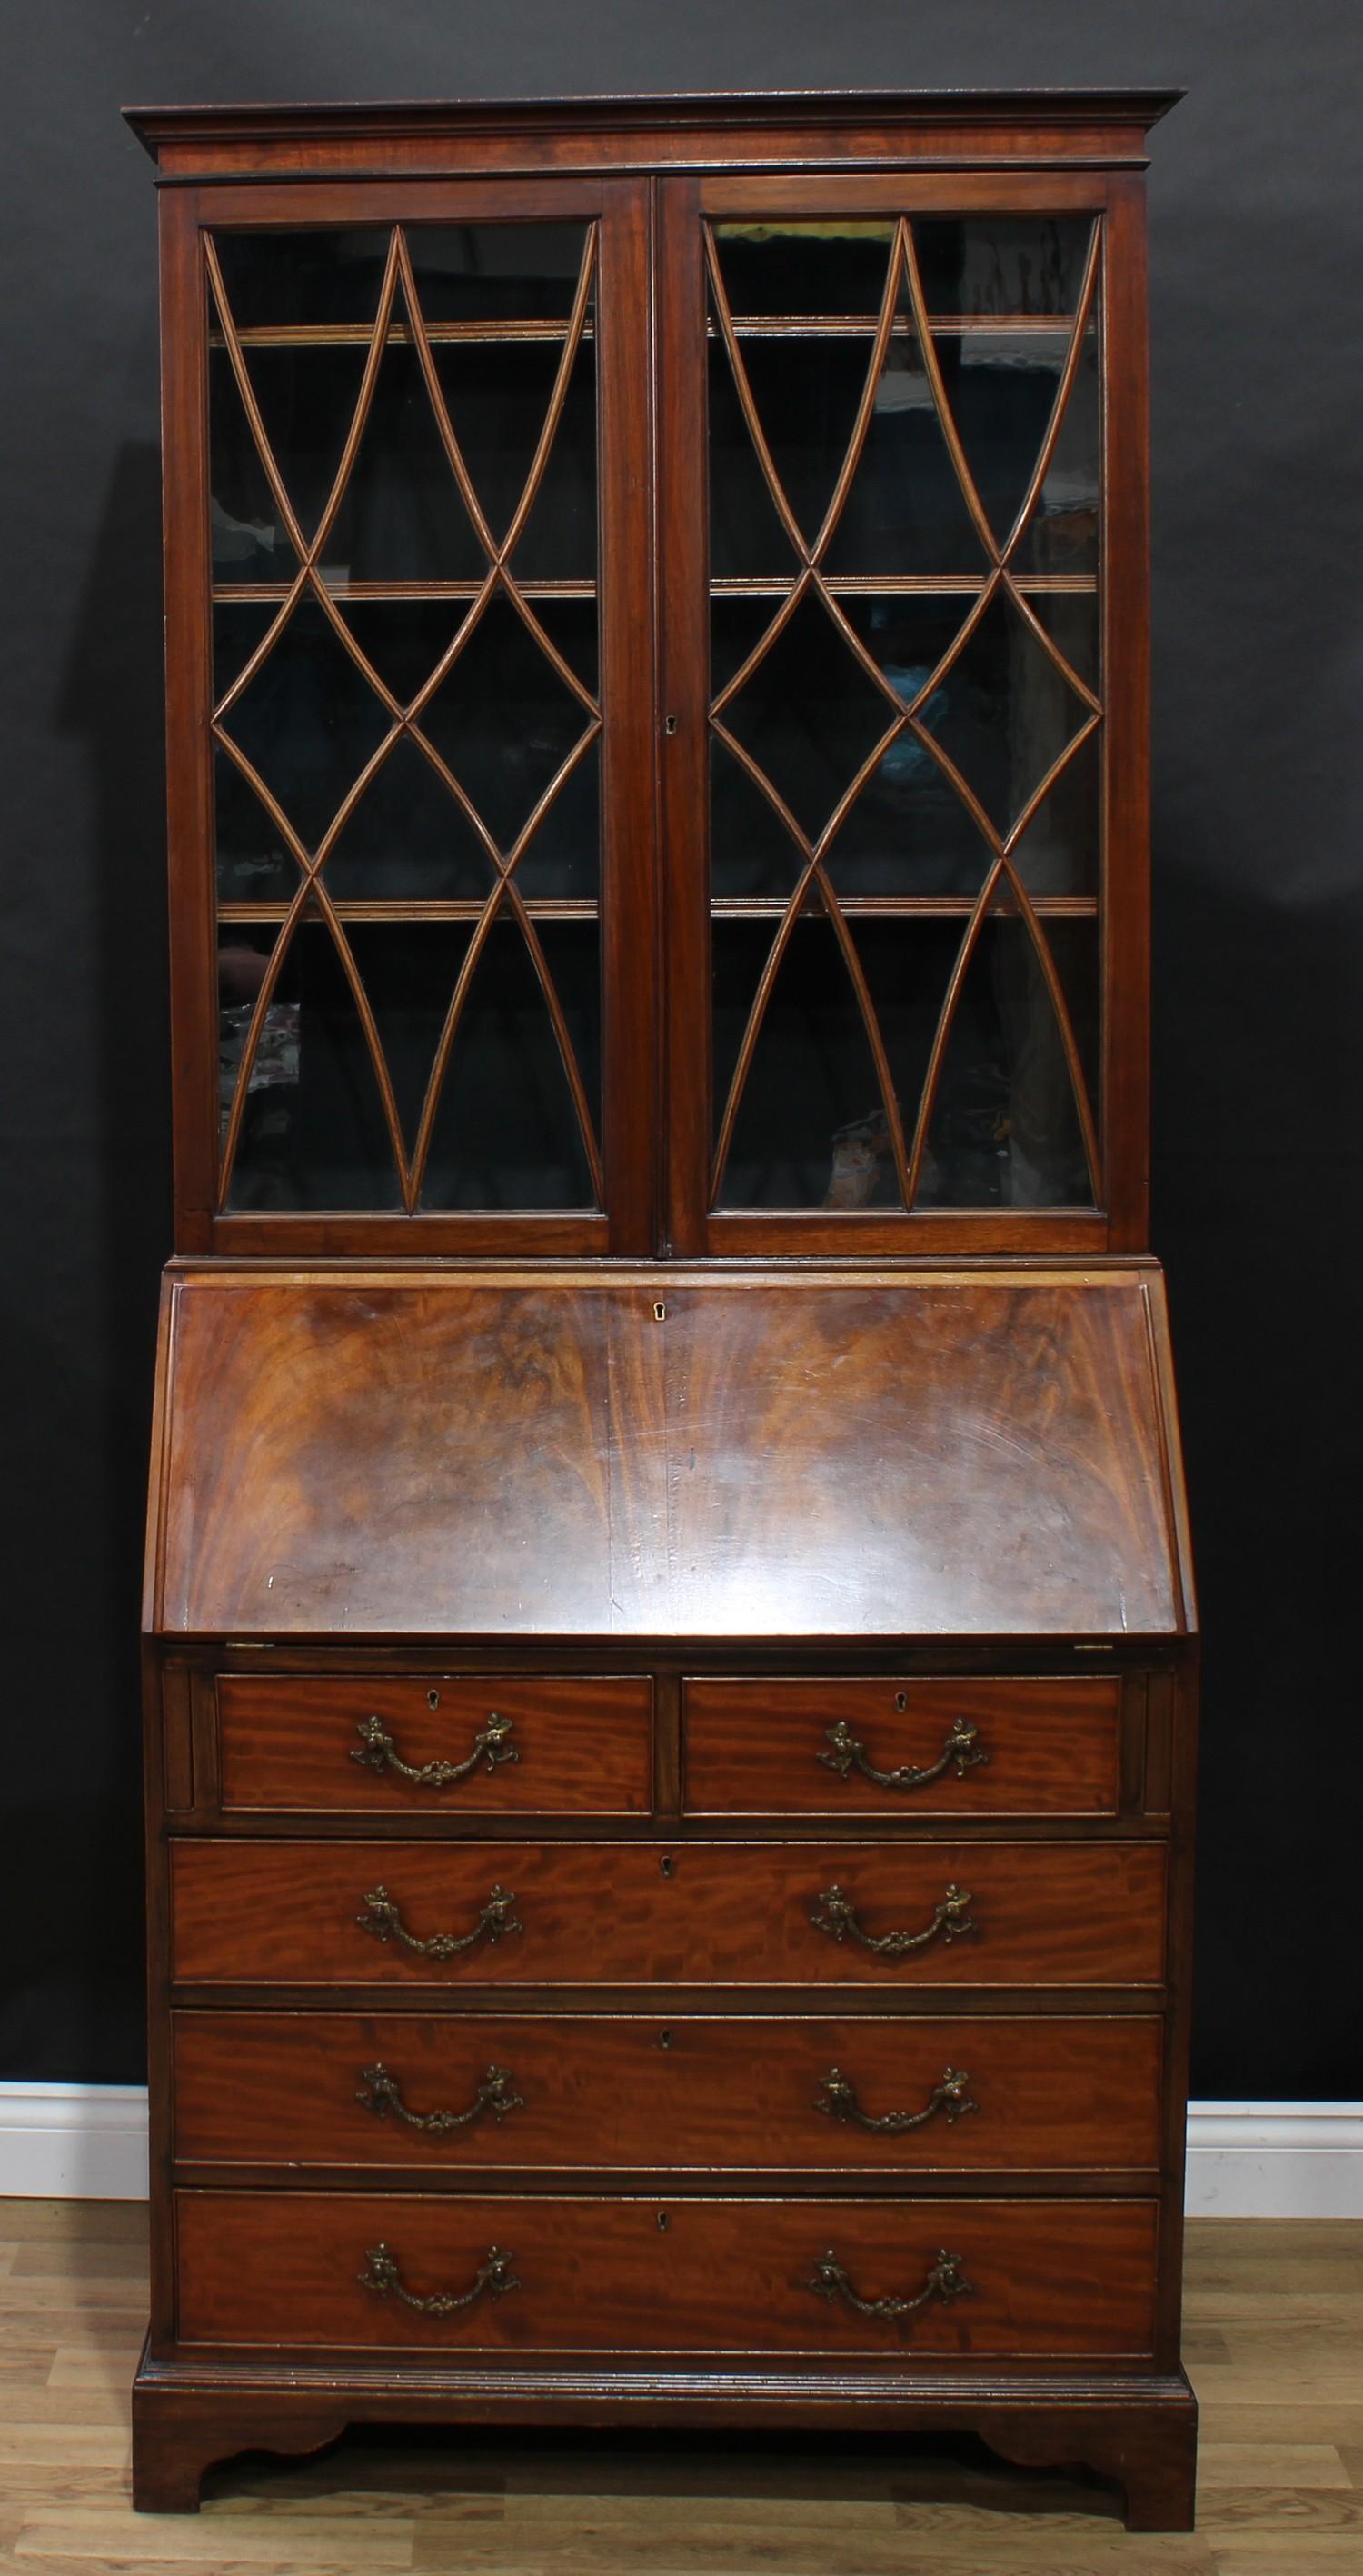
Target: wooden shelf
[(868, 585), (436, 908), (897, 907), (749, 326), (723, 907), (231, 594)]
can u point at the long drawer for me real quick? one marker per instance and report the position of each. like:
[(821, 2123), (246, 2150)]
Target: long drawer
[(604, 1914), (965, 2279), (596, 2091), (863, 1745), (418, 1743)]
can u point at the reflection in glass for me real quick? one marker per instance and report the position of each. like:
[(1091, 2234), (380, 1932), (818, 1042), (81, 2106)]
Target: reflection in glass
[(1005, 1131), (1002, 265), (313, 1133)]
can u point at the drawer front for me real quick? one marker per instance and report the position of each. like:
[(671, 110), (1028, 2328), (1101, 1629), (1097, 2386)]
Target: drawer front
[(1064, 2280), (863, 1746), (609, 1914), (592, 2092), (423, 1744)]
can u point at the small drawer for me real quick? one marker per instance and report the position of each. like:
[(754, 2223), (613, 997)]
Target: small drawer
[(863, 1745), (602, 2092), (425, 1744), (642, 1913), (960, 2279)]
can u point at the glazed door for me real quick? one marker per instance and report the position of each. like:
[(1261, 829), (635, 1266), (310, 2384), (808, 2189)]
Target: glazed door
[(903, 668), (409, 508)]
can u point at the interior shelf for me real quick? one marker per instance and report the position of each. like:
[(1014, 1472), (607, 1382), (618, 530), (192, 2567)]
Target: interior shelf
[(723, 907), (749, 326)]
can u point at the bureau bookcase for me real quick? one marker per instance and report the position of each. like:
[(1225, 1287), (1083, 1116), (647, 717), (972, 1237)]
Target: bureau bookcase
[(670, 1643)]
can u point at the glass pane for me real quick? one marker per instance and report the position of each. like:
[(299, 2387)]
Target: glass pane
[(1062, 534), (496, 272), (810, 1131), (506, 1132), (313, 1133), (1001, 265), (808, 714), (1004, 713), (1005, 1131), (307, 721), (303, 279), (906, 512), (1001, 389), (835, 266)]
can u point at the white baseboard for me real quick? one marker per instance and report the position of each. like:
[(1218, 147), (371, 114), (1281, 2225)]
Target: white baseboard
[(1245, 2159), (73, 2141), (1275, 2160)]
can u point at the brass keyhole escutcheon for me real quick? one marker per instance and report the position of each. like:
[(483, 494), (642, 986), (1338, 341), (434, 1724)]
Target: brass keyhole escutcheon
[(433, 1699), (665, 1864), (660, 1312), (663, 2221), (901, 1699), (664, 2039)]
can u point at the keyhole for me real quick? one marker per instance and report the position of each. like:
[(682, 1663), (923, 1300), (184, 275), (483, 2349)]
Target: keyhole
[(664, 2039), (669, 724), (665, 1864), (901, 1699), (433, 1699), (663, 2220), (660, 1313)]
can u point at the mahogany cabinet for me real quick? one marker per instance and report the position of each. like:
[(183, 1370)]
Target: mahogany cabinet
[(670, 1642)]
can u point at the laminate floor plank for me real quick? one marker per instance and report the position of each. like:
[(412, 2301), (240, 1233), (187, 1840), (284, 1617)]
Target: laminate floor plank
[(1275, 2349)]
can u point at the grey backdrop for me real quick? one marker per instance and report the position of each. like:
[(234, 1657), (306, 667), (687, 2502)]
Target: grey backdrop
[(1257, 214)]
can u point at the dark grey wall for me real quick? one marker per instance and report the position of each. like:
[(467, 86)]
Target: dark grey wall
[(1257, 211)]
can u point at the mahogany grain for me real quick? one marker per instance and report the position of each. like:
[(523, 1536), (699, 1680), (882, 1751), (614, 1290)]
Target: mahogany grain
[(765, 1747), (668, 2091), (644, 1913), (292, 1741), (1060, 2280)]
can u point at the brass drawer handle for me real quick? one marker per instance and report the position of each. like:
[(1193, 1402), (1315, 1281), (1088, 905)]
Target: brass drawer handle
[(380, 2094), (493, 2279), (961, 1751), (946, 2281), (835, 1914), (837, 2096), (495, 1918), (377, 1749)]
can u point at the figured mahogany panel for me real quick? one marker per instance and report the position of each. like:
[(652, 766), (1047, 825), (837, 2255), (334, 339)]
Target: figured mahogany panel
[(976, 1914), (978, 1452), (978, 1747), (503, 1745), (290, 2270), (591, 2091)]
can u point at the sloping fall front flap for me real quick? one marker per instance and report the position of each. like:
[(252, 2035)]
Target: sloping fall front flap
[(928, 1453)]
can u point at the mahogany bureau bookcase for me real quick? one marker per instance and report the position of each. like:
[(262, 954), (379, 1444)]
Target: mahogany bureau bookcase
[(670, 1645)]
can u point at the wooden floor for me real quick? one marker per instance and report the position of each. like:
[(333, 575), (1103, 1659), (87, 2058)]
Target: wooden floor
[(1274, 2346)]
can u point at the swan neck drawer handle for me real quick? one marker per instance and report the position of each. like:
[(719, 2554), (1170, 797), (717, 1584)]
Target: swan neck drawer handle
[(837, 2097), (961, 1752), (835, 1914), (946, 2281), (380, 2093), (377, 1752), (492, 2280), (385, 1922)]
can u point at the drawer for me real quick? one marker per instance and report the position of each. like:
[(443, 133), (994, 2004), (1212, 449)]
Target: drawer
[(422, 1744), (596, 2091), (1067, 2280), (590, 1913), (865, 1745)]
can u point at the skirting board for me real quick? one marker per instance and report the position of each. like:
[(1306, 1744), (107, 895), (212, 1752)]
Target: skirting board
[(1245, 2159)]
